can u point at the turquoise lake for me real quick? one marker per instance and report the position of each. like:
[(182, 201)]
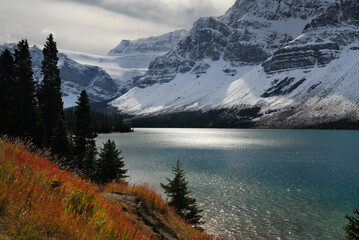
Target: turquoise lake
[(254, 184)]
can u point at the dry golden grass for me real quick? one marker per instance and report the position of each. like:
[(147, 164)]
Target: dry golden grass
[(38, 200)]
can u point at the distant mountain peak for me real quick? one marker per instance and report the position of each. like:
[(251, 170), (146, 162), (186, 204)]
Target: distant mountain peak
[(159, 44)]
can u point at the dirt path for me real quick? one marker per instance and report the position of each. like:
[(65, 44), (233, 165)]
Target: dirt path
[(134, 206)]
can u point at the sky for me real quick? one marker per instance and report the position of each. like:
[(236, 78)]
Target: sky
[(97, 26)]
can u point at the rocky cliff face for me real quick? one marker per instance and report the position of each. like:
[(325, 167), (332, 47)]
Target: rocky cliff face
[(136, 55), (247, 34), (296, 61), (320, 41)]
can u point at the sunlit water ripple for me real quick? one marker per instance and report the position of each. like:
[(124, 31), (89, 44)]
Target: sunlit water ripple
[(255, 184)]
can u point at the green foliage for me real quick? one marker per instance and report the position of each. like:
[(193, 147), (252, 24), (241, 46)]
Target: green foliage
[(60, 143), (109, 123), (50, 102), (89, 162), (80, 203), (6, 87), (110, 165), (84, 134), (101, 122), (352, 228), (49, 93), (26, 116), (177, 191)]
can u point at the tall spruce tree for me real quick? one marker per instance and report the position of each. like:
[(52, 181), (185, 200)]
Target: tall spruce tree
[(6, 87), (110, 166), (51, 105), (177, 191), (49, 93), (27, 120), (84, 135)]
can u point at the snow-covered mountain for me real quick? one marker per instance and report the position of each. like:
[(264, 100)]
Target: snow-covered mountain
[(295, 62)]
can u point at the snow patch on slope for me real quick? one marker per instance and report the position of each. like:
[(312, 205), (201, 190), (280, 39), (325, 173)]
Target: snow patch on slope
[(326, 92), (185, 92)]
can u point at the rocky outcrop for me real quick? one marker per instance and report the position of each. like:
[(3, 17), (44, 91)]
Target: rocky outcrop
[(147, 218), (99, 85), (275, 10), (244, 53), (139, 54), (247, 34), (303, 57), (320, 41), (207, 40)]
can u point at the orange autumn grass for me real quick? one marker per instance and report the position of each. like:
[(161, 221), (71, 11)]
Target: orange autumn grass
[(161, 209), (40, 201)]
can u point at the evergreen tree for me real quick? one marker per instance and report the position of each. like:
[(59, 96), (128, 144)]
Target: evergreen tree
[(110, 165), (89, 163), (101, 122), (352, 228), (27, 120), (49, 93), (177, 190), (60, 143), (6, 85), (84, 135)]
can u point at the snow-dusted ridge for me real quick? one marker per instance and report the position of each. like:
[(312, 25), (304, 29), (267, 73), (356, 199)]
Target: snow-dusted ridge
[(297, 61), (152, 45)]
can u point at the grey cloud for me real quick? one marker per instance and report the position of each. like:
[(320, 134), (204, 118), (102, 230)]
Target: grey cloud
[(96, 26), (181, 14)]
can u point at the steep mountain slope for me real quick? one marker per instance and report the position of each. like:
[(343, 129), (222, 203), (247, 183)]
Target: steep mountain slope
[(297, 62), (247, 34)]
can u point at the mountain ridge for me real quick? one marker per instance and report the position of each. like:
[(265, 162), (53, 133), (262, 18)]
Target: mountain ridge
[(238, 62)]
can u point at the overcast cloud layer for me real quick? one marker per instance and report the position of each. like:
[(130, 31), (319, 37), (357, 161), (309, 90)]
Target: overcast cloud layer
[(97, 26)]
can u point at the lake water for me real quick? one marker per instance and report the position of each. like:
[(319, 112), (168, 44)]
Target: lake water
[(254, 184)]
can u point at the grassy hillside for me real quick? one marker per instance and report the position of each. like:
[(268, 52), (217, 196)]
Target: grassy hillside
[(40, 201)]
